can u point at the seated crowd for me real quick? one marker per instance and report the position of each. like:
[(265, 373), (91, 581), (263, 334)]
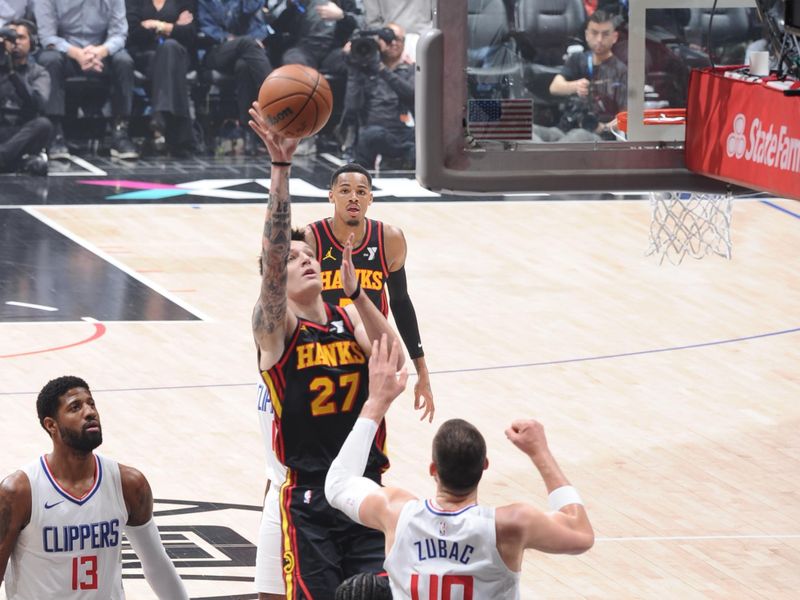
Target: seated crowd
[(146, 69), (570, 58), (179, 75)]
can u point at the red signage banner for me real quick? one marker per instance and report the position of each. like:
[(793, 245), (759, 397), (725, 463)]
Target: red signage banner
[(743, 132)]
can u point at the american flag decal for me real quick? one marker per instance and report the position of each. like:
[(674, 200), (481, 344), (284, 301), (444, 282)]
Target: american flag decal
[(500, 119)]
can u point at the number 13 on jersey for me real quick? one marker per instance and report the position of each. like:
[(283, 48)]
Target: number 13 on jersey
[(449, 588), (84, 573)]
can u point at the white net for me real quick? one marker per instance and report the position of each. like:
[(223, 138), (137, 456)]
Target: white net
[(689, 223)]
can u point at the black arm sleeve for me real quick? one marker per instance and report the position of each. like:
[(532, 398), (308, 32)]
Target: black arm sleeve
[(403, 311)]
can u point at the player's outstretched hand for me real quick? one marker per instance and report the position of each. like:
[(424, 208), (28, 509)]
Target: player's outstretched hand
[(348, 271), (385, 383), (281, 149), (528, 436), (423, 396)]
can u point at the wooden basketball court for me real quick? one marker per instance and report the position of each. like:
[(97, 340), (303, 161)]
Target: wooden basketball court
[(669, 394)]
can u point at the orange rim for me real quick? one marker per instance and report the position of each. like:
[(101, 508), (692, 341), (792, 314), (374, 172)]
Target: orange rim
[(654, 116)]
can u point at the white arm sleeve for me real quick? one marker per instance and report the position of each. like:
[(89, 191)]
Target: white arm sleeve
[(158, 569), (345, 488)]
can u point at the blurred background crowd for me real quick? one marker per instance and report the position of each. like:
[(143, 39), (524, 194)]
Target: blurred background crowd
[(135, 78)]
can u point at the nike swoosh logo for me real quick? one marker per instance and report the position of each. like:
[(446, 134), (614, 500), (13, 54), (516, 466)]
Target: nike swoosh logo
[(47, 505)]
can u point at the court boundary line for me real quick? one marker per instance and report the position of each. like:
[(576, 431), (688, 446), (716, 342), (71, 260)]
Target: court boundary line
[(624, 354), (700, 538), (478, 369), (780, 208), (34, 212)]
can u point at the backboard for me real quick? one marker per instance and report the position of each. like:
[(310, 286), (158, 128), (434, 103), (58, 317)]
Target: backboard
[(659, 40)]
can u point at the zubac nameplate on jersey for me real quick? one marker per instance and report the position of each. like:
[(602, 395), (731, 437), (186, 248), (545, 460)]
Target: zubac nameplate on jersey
[(439, 548)]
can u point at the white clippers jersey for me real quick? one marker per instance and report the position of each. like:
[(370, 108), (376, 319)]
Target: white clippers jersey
[(71, 548), (276, 472), (442, 554)]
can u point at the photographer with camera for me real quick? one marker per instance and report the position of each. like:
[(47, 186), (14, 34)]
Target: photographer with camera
[(415, 16), (24, 90), (595, 82), (380, 97)]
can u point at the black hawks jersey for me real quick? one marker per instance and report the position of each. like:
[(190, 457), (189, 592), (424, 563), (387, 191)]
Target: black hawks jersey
[(369, 260), (317, 389)]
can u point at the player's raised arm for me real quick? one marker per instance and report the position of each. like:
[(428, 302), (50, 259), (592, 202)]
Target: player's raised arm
[(270, 319), (143, 535), (361, 499), (15, 512), (368, 321), (564, 530)]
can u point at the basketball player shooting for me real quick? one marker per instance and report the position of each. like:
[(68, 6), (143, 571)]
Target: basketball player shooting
[(451, 542), (62, 517), (313, 361)]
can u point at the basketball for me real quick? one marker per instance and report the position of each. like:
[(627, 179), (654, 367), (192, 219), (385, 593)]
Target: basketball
[(295, 100)]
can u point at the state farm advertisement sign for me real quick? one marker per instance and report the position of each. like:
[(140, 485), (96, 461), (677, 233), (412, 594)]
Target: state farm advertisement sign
[(743, 133)]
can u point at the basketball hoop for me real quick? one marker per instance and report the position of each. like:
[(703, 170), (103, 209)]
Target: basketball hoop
[(692, 223), (683, 223), (652, 116)]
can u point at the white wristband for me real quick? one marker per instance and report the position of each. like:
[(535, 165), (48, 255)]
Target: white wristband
[(561, 497)]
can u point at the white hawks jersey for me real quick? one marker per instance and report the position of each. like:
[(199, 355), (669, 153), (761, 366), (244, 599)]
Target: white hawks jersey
[(448, 554), (71, 548)]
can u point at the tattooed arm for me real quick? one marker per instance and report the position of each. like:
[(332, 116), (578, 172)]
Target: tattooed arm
[(15, 512), (271, 317)]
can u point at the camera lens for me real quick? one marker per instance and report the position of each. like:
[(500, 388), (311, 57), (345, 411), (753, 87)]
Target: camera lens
[(364, 51)]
